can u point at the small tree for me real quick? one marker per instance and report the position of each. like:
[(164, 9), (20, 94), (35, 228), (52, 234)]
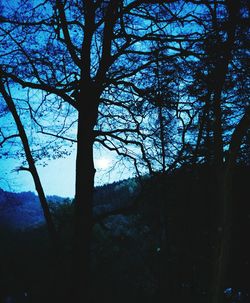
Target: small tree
[(5, 92)]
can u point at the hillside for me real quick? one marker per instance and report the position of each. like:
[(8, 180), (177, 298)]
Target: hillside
[(148, 241), (23, 210)]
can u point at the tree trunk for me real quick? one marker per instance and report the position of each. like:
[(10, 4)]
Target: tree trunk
[(31, 166), (224, 170), (83, 216), (225, 198)]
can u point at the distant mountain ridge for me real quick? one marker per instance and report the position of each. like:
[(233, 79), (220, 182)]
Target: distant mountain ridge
[(23, 210), (20, 210)]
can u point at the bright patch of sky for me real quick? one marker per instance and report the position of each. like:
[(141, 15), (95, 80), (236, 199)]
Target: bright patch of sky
[(58, 176), (58, 173)]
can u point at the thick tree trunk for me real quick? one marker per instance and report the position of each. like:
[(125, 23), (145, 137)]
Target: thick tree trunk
[(83, 217)]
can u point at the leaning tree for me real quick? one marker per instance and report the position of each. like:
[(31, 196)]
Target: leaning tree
[(30, 158)]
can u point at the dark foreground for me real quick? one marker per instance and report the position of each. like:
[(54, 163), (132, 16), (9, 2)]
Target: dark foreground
[(160, 249)]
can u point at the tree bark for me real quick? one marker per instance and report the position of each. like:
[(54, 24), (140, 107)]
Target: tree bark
[(83, 216)]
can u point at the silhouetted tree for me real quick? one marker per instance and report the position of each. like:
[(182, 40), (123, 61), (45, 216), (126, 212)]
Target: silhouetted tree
[(220, 90), (76, 51), (30, 159), (96, 59)]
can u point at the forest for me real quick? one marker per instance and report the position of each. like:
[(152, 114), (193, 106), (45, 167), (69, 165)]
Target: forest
[(164, 86)]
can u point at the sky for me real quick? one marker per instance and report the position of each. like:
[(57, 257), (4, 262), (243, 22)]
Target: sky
[(58, 177)]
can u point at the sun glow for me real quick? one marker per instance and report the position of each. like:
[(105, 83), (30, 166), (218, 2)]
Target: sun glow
[(103, 163)]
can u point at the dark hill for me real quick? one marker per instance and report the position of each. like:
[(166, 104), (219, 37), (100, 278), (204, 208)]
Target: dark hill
[(159, 240), (23, 210)]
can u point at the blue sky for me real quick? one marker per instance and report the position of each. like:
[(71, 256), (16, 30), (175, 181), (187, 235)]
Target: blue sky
[(58, 177)]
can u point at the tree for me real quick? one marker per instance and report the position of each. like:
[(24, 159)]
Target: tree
[(76, 50), (30, 160), (224, 120), (115, 65)]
